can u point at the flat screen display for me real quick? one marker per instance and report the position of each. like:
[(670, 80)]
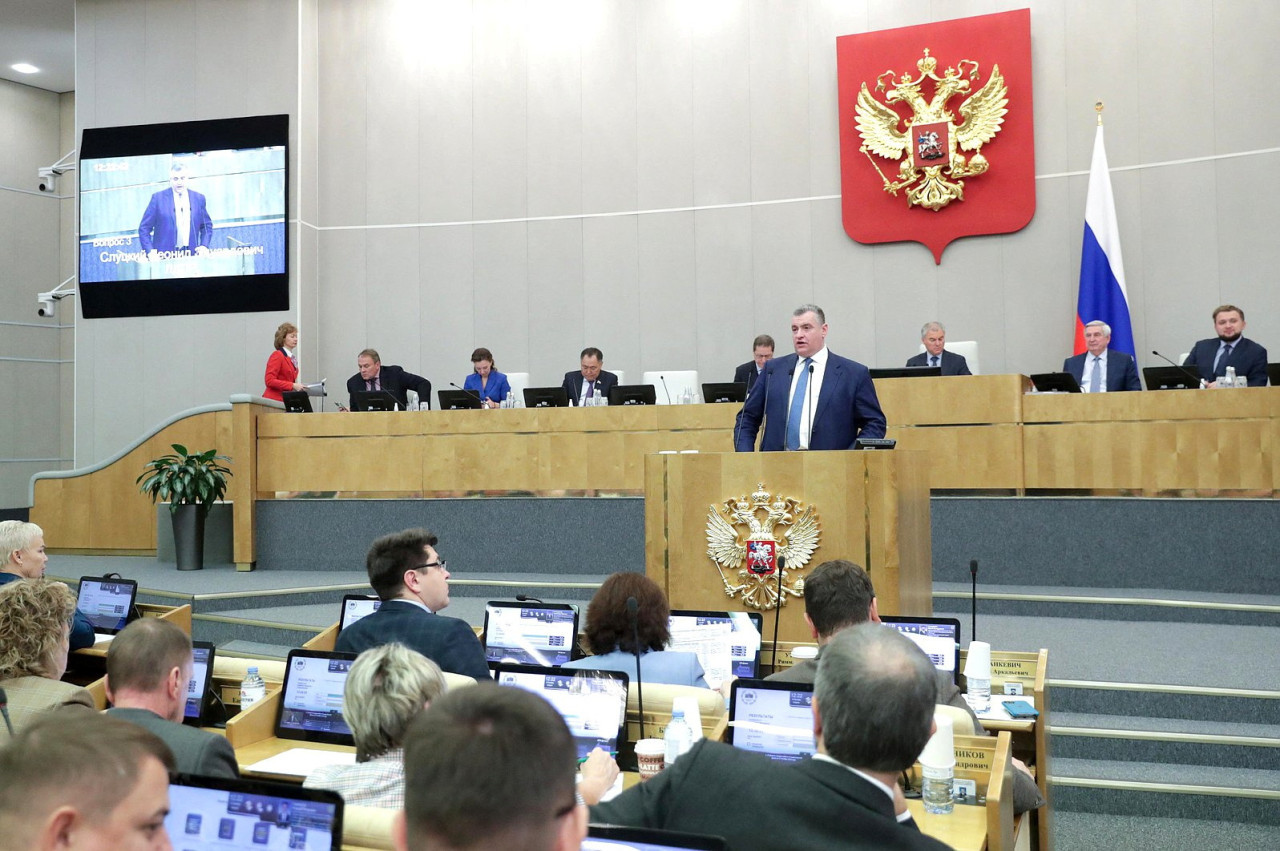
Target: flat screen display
[(311, 708), (201, 668), (727, 643), (592, 703), (214, 812), (184, 218), (772, 718), (106, 603), (529, 633)]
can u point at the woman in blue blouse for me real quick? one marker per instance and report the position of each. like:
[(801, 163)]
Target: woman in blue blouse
[(489, 384), (610, 635)]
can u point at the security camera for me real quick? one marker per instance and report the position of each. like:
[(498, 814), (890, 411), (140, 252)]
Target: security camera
[(48, 178), (47, 307)]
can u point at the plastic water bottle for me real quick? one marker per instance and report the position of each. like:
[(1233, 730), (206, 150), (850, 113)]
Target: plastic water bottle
[(510, 401), (979, 694), (1230, 379), (252, 688), (679, 738), (937, 789)]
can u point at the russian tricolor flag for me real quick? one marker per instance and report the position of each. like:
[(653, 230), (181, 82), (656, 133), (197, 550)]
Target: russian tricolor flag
[(1102, 292)]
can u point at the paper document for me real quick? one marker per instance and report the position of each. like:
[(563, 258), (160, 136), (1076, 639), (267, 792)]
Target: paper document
[(302, 761)]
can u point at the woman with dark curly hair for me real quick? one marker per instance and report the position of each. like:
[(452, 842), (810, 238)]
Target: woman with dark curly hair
[(611, 639), (35, 622)]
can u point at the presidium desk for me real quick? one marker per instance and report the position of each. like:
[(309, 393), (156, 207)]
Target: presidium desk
[(983, 434)]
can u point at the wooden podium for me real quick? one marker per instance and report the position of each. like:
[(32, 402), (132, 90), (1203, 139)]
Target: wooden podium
[(872, 507)]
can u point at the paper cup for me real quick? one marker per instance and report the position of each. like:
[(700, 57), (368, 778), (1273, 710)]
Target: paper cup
[(650, 757)]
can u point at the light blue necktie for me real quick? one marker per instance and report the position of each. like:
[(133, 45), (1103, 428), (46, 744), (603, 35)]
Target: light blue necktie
[(797, 406), (1095, 376)]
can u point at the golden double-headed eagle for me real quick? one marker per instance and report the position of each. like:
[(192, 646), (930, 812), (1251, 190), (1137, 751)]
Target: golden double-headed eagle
[(727, 546), (932, 169)]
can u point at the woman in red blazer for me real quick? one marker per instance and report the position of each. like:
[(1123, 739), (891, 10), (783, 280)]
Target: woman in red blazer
[(282, 366)]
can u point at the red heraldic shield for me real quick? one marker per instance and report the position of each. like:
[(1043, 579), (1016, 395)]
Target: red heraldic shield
[(999, 199)]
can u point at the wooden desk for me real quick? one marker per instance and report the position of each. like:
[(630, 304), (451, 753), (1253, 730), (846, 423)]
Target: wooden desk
[(269, 747), (964, 829)]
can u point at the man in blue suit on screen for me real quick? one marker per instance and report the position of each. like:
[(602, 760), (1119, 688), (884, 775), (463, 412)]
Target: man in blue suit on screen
[(813, 399), (177, 219)]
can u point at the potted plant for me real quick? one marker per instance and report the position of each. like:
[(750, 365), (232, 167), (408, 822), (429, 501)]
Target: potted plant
[(191, 482)]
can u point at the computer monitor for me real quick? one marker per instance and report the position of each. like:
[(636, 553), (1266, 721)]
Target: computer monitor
[(1170, 378), (772, 718), (608, 837), (731, 391), (905, 372), (202, 653), (939, 638), (297, 401), (1055, 382), (458, 400), (727, 643), (355, 607), (592, 703), (546, 397), (633, 394), (529, 633), (106, 602), (311, 704), (374, 400), (208, 813), (1273, 374)]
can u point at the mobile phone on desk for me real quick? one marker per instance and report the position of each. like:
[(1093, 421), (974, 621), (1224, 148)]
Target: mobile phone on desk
[(1020, 709)]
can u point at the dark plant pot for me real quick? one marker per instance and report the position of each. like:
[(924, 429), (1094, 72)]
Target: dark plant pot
[(188, 537)]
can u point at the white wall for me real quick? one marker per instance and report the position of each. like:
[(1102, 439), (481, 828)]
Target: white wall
[(536, 176)]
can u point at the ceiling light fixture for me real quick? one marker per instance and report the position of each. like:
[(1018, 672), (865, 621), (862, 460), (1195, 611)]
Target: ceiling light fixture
[(25, 68)]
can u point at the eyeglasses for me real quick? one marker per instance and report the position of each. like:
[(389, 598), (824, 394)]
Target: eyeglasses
[(440, 564)]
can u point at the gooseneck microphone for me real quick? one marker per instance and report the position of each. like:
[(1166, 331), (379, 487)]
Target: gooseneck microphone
[(808, 398), (633, 610), (465, 390), (786, 411), (777, 612), (973, 600), (525, 598), (1189, 373), (4, 710), (663, 379)]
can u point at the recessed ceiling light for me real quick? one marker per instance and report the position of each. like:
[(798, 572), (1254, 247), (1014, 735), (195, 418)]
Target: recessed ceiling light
[(25, 68)]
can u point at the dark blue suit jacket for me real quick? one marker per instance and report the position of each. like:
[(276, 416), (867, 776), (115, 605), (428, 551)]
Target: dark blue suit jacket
[(81, 629), (449, 642), (1122, 372), (1247, 357), (746, 374), (397, 381), (159, 226), (573, 384), (847, 408), (952, 363)]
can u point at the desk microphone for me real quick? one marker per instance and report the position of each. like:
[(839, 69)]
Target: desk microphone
[(973, 600), (633, 610), (4, 710), (786, 428), (1199, 381), (525, 598), (465, 390), (777, 611), (663, 379)]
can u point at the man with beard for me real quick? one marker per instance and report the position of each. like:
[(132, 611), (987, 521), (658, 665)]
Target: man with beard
[(1210, 358)]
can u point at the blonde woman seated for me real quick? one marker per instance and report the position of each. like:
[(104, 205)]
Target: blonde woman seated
[(387, 687), (35, 622)]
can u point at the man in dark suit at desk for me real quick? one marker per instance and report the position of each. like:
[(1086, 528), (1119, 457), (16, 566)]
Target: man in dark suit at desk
[(413, 583), (1210, 358), (176, 219), (391, 378), (591, 380), (813, 399), (934, 337), (148, 668), (873, 706), (1100, 369), (761, 354)]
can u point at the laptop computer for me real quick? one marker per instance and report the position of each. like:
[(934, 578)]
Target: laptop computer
[(529, 633), (311, 697), (939, 638), (772, 718), (727, 643), (355, 607), (607, 837), (219, 812), (593, 703), (107, 602), (202, 653)]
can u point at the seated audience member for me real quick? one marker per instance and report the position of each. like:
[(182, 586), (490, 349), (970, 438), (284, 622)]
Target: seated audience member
[(611, 638), (22, 545), (837, 595), (489, 767), (35, 619), (873, 706), (74, 781), (591, 380), (1101, 369), (393, 379), (485, 381), (387, 687), (1210, 358), (413, 583), (148, 668), (934, 337), (761, 354)]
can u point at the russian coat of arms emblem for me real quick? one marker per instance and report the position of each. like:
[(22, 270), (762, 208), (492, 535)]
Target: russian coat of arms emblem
[(759, 544)]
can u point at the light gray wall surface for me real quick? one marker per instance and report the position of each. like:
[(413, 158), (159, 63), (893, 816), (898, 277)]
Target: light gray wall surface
[(660, 178)]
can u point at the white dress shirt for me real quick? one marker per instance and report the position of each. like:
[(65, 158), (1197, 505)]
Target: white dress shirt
[(182, 217), (1085, 382), (814, 390)]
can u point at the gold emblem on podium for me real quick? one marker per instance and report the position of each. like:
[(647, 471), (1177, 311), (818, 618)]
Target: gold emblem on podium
[(755, 539), (931, 137)]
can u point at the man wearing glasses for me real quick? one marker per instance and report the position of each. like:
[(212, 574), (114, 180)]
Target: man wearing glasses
[(413, 583)]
